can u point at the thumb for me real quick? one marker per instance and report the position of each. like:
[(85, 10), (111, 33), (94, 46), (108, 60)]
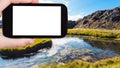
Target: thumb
[(35, 1), (4, 4)]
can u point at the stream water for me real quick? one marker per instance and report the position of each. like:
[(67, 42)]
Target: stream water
[(59, 52)]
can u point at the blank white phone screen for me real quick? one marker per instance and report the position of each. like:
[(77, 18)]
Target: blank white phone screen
[(36, 20)]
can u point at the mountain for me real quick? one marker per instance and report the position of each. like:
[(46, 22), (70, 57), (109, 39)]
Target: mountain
[(71, 24), (107, 19)]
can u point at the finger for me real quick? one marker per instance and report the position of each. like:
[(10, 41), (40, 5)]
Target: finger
[(15, 1), (4, 4), (35, 1), (21, 1), (26, 1)]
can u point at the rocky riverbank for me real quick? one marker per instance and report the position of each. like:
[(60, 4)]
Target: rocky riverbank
[(70, 55)]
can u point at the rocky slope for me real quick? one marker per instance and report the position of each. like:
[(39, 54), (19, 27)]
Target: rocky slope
[(71, 24), (107, 19)]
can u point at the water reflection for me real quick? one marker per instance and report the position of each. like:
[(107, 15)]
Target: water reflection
[(105, 45)]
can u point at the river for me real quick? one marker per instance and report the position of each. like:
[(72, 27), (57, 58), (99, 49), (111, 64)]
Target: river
[(67, 49)]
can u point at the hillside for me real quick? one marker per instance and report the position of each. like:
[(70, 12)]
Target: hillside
[(71, 24), (107, 19)]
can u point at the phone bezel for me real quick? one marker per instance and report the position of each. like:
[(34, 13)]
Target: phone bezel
[(7, 21)]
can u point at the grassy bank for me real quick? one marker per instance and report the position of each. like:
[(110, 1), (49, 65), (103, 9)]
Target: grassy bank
[(107, 63), (103, 33)]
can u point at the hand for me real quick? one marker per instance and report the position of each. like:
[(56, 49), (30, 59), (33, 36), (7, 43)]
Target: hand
[(5, 3), (9, 42)]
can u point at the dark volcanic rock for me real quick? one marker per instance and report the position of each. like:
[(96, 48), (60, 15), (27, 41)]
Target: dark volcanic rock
[(71, 24), (107, 19)]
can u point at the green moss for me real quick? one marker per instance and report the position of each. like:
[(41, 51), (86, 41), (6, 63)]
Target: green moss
[(95, 32), (37, 41), (107, 63)]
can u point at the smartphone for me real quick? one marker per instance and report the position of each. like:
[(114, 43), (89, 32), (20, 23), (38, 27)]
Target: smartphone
[(35, 21)]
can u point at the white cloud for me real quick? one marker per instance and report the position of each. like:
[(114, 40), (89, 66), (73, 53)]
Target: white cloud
[(66, 2), (46, 1), (76, 16)]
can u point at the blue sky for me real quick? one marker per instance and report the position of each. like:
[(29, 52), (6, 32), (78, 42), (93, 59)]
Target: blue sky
[(80, 8)]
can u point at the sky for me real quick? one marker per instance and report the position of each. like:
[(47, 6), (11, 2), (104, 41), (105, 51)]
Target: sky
[(80, 8)]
